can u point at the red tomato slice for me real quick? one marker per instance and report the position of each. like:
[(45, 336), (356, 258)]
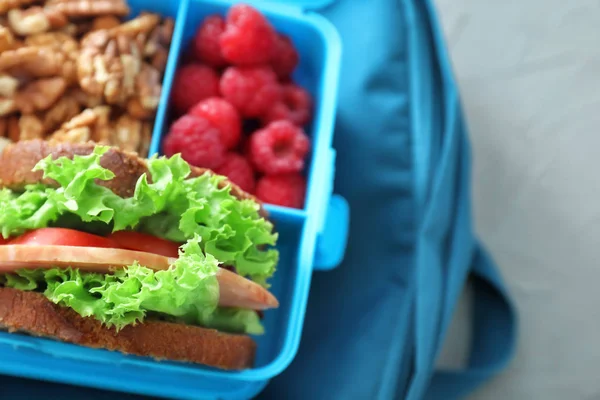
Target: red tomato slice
[(146, 243), (4, 241), (64, 237)]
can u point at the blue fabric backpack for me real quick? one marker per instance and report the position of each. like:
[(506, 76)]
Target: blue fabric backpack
[(375, 325)]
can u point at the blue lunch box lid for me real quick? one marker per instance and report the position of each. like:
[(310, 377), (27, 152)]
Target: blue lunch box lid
[(300, 4)]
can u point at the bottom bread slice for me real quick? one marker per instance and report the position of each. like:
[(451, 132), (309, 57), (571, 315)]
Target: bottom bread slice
[(34, 314)]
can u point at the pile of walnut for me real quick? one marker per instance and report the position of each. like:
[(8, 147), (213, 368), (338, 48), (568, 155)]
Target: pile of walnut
[(73, 71)]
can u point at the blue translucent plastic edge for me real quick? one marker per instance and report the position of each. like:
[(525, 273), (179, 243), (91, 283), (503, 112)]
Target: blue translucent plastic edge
[(331, 243), (171, 67), (303, 4), (25, 362)]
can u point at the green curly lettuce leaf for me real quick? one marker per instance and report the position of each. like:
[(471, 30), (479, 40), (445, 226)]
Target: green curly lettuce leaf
[(165, 203), (234, 320), (26, 279), (187, 291), (30, 210)]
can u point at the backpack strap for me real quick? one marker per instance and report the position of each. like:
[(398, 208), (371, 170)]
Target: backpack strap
[(494, 334)]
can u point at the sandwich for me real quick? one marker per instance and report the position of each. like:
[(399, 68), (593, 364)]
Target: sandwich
[(150, 257)]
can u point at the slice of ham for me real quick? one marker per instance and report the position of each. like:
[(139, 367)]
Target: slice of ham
[(234, 290)]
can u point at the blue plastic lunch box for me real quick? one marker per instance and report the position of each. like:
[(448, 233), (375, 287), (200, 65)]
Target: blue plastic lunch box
[(310, 239)]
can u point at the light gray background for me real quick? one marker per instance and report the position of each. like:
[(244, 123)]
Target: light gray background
[(529, 74)]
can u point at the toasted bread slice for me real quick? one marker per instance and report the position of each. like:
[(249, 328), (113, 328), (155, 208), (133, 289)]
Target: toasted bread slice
[(34, 314), (18, 159)]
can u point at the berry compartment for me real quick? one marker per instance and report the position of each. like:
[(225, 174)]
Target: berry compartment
[(319, 52)]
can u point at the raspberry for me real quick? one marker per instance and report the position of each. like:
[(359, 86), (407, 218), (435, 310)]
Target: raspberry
[(249, 39), (239, 171), (206, 42), (252, 90), (295, 106), (221, 115), (285, 58), (192, 84), (279, 148), (286, 190), (197, 140)]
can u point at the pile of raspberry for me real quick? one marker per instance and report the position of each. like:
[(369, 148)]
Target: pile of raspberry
[(239, 112)]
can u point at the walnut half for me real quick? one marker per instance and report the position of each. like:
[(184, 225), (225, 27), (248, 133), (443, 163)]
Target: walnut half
[(77, 130), (7, 5), (89, 8), (35, 20), (40, 95)]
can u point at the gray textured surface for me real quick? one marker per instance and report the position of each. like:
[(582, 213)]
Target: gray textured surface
[(529, 74)]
